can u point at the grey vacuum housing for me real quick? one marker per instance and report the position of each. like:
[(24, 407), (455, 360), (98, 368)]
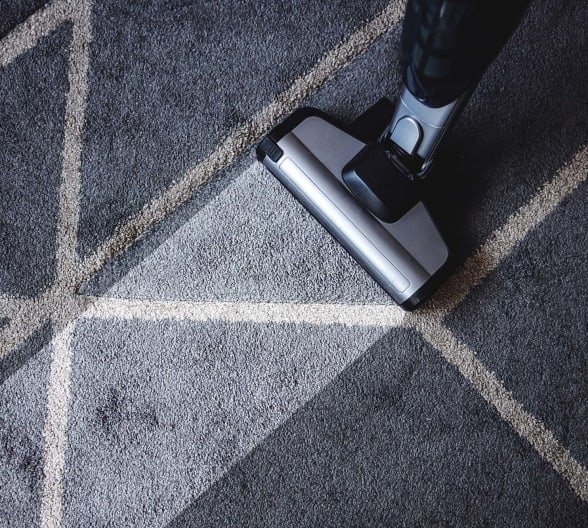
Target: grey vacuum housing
[(357, 193)]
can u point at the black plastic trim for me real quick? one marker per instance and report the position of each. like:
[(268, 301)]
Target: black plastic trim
[(378, 185), (268, 147)]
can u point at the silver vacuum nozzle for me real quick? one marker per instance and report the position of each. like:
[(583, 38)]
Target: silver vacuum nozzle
[(309, 154)]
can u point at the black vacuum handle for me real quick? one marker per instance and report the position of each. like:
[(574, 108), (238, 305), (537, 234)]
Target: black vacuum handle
[(447, 45)]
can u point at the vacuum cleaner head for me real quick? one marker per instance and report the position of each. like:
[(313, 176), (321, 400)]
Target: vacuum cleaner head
[(362, 194)]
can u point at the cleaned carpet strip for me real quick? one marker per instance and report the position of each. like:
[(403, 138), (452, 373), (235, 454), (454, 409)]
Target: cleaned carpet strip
[(344, 314)]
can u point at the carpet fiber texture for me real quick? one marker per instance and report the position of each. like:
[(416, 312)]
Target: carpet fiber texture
[(182, 345)]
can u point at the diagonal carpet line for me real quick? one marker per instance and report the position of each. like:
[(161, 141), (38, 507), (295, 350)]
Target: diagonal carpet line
[(54, 432), (244, 136), (503, 240), (9, 304), (40, 24), (494, 392), (255, 312), (69, 202), (486, 259), (333, 61)]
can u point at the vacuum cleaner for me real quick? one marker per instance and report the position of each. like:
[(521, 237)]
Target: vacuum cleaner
[(363, 181)]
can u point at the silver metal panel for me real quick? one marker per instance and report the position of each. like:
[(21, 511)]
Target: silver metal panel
[(407, 134), (331, 145), (419, 235)]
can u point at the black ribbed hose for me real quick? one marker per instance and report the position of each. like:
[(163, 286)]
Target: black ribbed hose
[(447, 45)]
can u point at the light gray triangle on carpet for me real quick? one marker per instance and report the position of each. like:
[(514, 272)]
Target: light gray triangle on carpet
[(253, 241), (161, 409), (33, 89)]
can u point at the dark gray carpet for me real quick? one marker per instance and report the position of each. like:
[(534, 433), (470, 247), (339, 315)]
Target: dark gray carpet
[(180, 421), (530, 322), (397, 440), (31, 135)]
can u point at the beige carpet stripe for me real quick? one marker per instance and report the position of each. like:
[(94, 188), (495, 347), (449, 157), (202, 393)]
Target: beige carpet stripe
[(54, 432), (69, 206), (26, 35), (245, 135), (494, 392), (516, 228), (253, 312)]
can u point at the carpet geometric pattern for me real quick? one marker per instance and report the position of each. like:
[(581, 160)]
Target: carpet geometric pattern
[(182, 345)]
